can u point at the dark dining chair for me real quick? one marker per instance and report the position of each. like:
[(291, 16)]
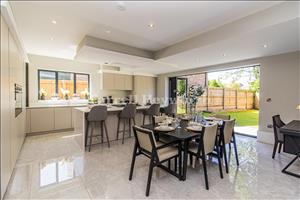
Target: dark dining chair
[(127, 115), (207, 145), (158, 154), (170, 110), (97, 115), (278, 137), (151, 111), (227, 137)]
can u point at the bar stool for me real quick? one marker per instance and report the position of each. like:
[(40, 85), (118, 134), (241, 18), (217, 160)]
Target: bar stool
[(153, 110), (126, 115), (97, 115), (170, 110)]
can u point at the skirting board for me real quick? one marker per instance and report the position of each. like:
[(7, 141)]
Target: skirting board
[(265, 137), (47, 132)]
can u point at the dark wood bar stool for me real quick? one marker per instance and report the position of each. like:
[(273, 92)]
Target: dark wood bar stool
[(97, 115), (126, 115), (153, 110), (170, 110)]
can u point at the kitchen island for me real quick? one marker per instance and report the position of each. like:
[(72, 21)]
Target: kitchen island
[(80, 123)]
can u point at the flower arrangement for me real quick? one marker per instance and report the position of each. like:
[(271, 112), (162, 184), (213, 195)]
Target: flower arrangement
[(66, 93), (43, 93), (85, 93)]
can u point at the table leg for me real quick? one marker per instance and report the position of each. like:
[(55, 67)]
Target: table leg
[(185, 158), (291, 173)]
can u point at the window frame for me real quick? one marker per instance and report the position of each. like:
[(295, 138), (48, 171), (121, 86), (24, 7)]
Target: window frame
[(56, 80)]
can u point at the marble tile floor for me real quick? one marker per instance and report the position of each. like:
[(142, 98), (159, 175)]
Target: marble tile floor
[(53, 167)]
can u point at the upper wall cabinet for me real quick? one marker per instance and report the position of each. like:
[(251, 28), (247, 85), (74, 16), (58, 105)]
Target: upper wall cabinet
[(111, 81)]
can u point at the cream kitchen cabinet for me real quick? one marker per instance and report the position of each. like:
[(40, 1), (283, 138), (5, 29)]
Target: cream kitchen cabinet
[(108, 81), (47, 119), (41, 119), (113, 81), (62, 118)]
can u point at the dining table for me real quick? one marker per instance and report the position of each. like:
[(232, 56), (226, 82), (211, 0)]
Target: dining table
[(180, 134), (291, 140)]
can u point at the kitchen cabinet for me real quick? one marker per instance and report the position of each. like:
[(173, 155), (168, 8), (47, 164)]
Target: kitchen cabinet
[(113, 81), (41, 119), (128, 82), (62, 118), (144, 88), (108, 81), (12, 127), (47, 119)]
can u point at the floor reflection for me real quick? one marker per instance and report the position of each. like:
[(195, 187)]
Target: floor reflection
[(59, 170)]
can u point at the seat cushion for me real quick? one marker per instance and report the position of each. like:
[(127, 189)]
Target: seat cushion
[(167, 152)]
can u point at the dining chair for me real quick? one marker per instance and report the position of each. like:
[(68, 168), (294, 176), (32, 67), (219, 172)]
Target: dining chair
[(278, 137), (227, 137), (151, 111), (97, 115), (158, 119), (158, 154), (221, 116), (127, 115), (207, 145), (170, 110)]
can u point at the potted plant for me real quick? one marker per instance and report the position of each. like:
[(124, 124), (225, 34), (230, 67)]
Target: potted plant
[(43, 94), (85, 93), (65, 93)]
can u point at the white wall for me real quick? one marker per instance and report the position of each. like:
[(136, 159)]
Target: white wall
[(49, 63), (279, 80)]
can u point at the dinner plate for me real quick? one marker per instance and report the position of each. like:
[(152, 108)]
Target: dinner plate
[(194, 128), (194, 124), (164, 128)]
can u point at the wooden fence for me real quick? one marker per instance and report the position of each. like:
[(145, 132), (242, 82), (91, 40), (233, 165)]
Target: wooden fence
[(227, 99)]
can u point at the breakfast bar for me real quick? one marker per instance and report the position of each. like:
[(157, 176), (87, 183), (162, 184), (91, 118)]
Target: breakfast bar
[(80, 122)]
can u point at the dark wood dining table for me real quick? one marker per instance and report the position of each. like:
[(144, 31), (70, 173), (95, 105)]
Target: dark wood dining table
[(291, 139), (183, 136)]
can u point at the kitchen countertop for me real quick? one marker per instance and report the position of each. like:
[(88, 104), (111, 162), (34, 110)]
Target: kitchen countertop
[(56, 106), (110, 108)]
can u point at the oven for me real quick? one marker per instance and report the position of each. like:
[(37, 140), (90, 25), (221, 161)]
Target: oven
[(18, 99)]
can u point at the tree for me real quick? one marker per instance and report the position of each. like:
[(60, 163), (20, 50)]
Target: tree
[(215, 83), (181, 87)]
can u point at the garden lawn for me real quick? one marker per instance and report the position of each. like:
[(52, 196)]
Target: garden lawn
[(244, 118)]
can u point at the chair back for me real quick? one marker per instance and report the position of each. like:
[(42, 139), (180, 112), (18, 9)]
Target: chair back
[(220, 116), (158, 119), (97, 114), (128, 111), (277, 124), (170, 110), (145, 139), (209, 137), (153, 109), (227, 129)]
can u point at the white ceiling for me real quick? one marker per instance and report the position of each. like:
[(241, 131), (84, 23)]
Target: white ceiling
[(174, 22)]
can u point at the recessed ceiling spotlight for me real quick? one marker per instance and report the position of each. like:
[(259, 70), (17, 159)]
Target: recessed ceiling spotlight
[(108, 31), (224, 54), (121, 6), (54, 21), (265, 46), (151, 25), (52, 38)]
